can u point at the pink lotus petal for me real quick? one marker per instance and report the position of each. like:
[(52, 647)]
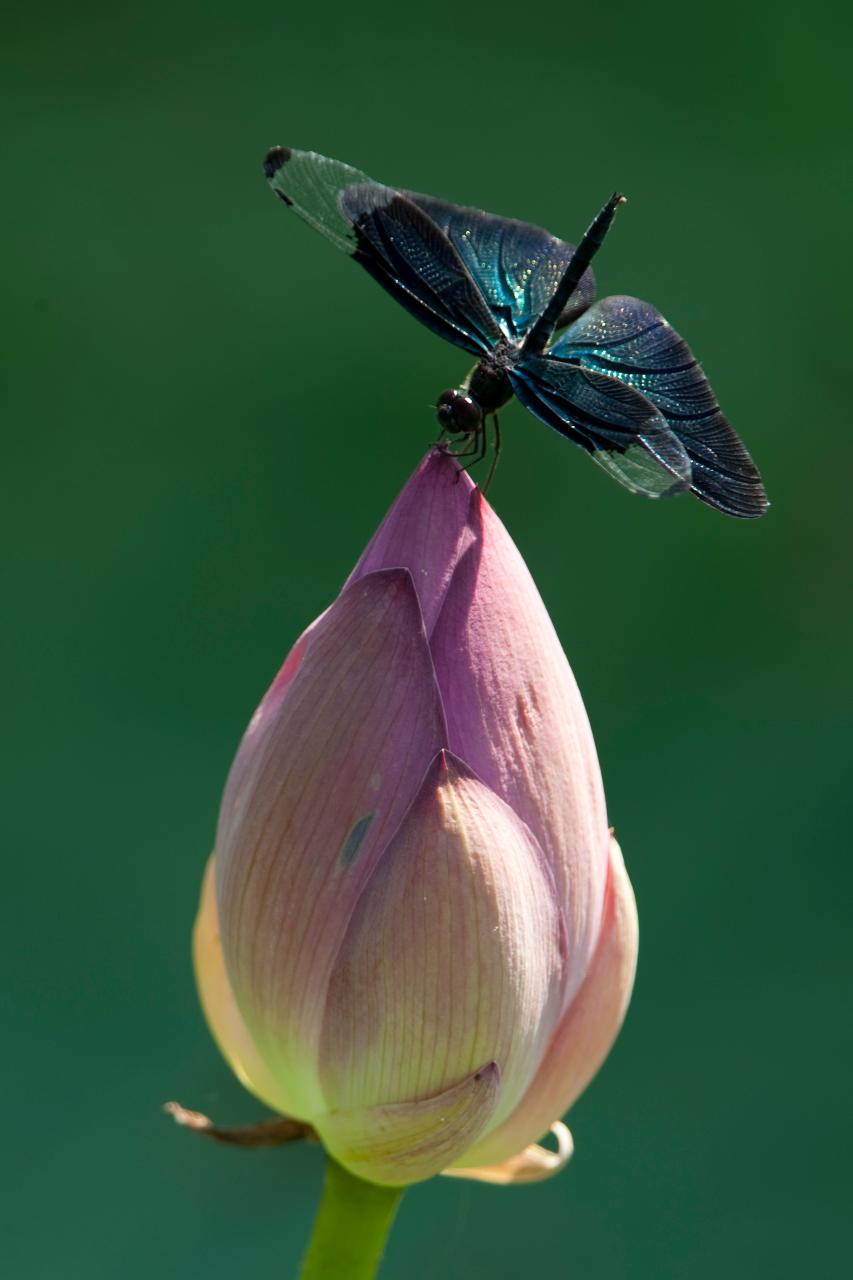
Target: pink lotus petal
[(452, 958), (426, 530), (261, 722), (515, 715), (513, 708), (586, 1032), (311, 803), (393, 917), (399, 1143)]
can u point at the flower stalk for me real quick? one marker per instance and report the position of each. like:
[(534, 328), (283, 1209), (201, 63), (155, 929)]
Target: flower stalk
[(351, 1227)]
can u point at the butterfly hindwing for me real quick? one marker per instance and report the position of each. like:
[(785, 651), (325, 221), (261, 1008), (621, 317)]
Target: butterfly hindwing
[(628, 339), (615, 424)]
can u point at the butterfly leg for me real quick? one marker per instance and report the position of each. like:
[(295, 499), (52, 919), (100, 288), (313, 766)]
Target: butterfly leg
[(466, 449), (472, 445), (478, 449), (496, 454)]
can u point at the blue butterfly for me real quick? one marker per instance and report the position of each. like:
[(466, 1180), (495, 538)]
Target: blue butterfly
[(618, 381)]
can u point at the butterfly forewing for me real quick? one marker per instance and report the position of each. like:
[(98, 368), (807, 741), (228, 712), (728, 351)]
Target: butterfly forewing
[(394, 240), (311, 185), (411, 257), (629, 340), (516, 265)]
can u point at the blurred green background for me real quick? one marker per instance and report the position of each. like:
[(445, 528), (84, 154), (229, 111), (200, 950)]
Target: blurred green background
[(207, 410)]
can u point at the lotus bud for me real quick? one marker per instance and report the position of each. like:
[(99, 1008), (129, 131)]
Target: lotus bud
[(416, 933)]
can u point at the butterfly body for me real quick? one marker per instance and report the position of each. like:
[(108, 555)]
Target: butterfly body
[(489, 381), (618, 381)]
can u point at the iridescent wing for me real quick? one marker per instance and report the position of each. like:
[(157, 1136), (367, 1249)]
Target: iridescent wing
[(621, 430), (629, 340), (392, 238), (516, 265)]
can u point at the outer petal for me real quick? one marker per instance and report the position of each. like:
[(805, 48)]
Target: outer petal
[(262, 724), (399, 1143), (315, 793), (220, 1008), (217, 998), (533, 1164), (515, 715), (514, 710), (586, 1032), (452, 959), (426, 530)]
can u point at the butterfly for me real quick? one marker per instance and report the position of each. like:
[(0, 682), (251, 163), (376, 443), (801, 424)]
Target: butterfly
[(617, 380)]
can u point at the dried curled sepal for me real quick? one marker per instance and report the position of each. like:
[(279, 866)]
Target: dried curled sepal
[(533, 1164), (268, 1133)]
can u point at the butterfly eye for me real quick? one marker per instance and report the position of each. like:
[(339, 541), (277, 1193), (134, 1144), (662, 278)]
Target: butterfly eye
[(458, 413)]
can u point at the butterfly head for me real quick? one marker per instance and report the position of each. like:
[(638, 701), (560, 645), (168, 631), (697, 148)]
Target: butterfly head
[(458, 413)]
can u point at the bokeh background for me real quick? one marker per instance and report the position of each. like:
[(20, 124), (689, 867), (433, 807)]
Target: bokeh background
[(207, 410)]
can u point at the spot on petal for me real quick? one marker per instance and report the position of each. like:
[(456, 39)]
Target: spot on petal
[(352, 844)]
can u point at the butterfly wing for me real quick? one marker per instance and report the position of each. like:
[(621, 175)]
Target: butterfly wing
[(629, 340), (621, 430), (516, 265), (392, 238)]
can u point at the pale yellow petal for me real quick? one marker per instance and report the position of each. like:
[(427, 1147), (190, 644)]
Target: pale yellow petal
[(399, 1143), (533, 1164), (587, 1030), (220, 1008)]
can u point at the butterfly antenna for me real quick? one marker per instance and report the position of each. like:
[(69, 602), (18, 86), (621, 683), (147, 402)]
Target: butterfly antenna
[(593, 238)]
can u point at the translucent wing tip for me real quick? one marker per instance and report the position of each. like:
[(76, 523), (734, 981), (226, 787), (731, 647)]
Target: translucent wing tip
[(275, 158)]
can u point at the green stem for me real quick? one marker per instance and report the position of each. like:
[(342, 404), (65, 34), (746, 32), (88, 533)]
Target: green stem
[(352, 1224)]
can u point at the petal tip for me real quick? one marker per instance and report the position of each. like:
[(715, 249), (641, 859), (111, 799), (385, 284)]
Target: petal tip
[(490, 1074), (440, 460), (534, 1164)]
